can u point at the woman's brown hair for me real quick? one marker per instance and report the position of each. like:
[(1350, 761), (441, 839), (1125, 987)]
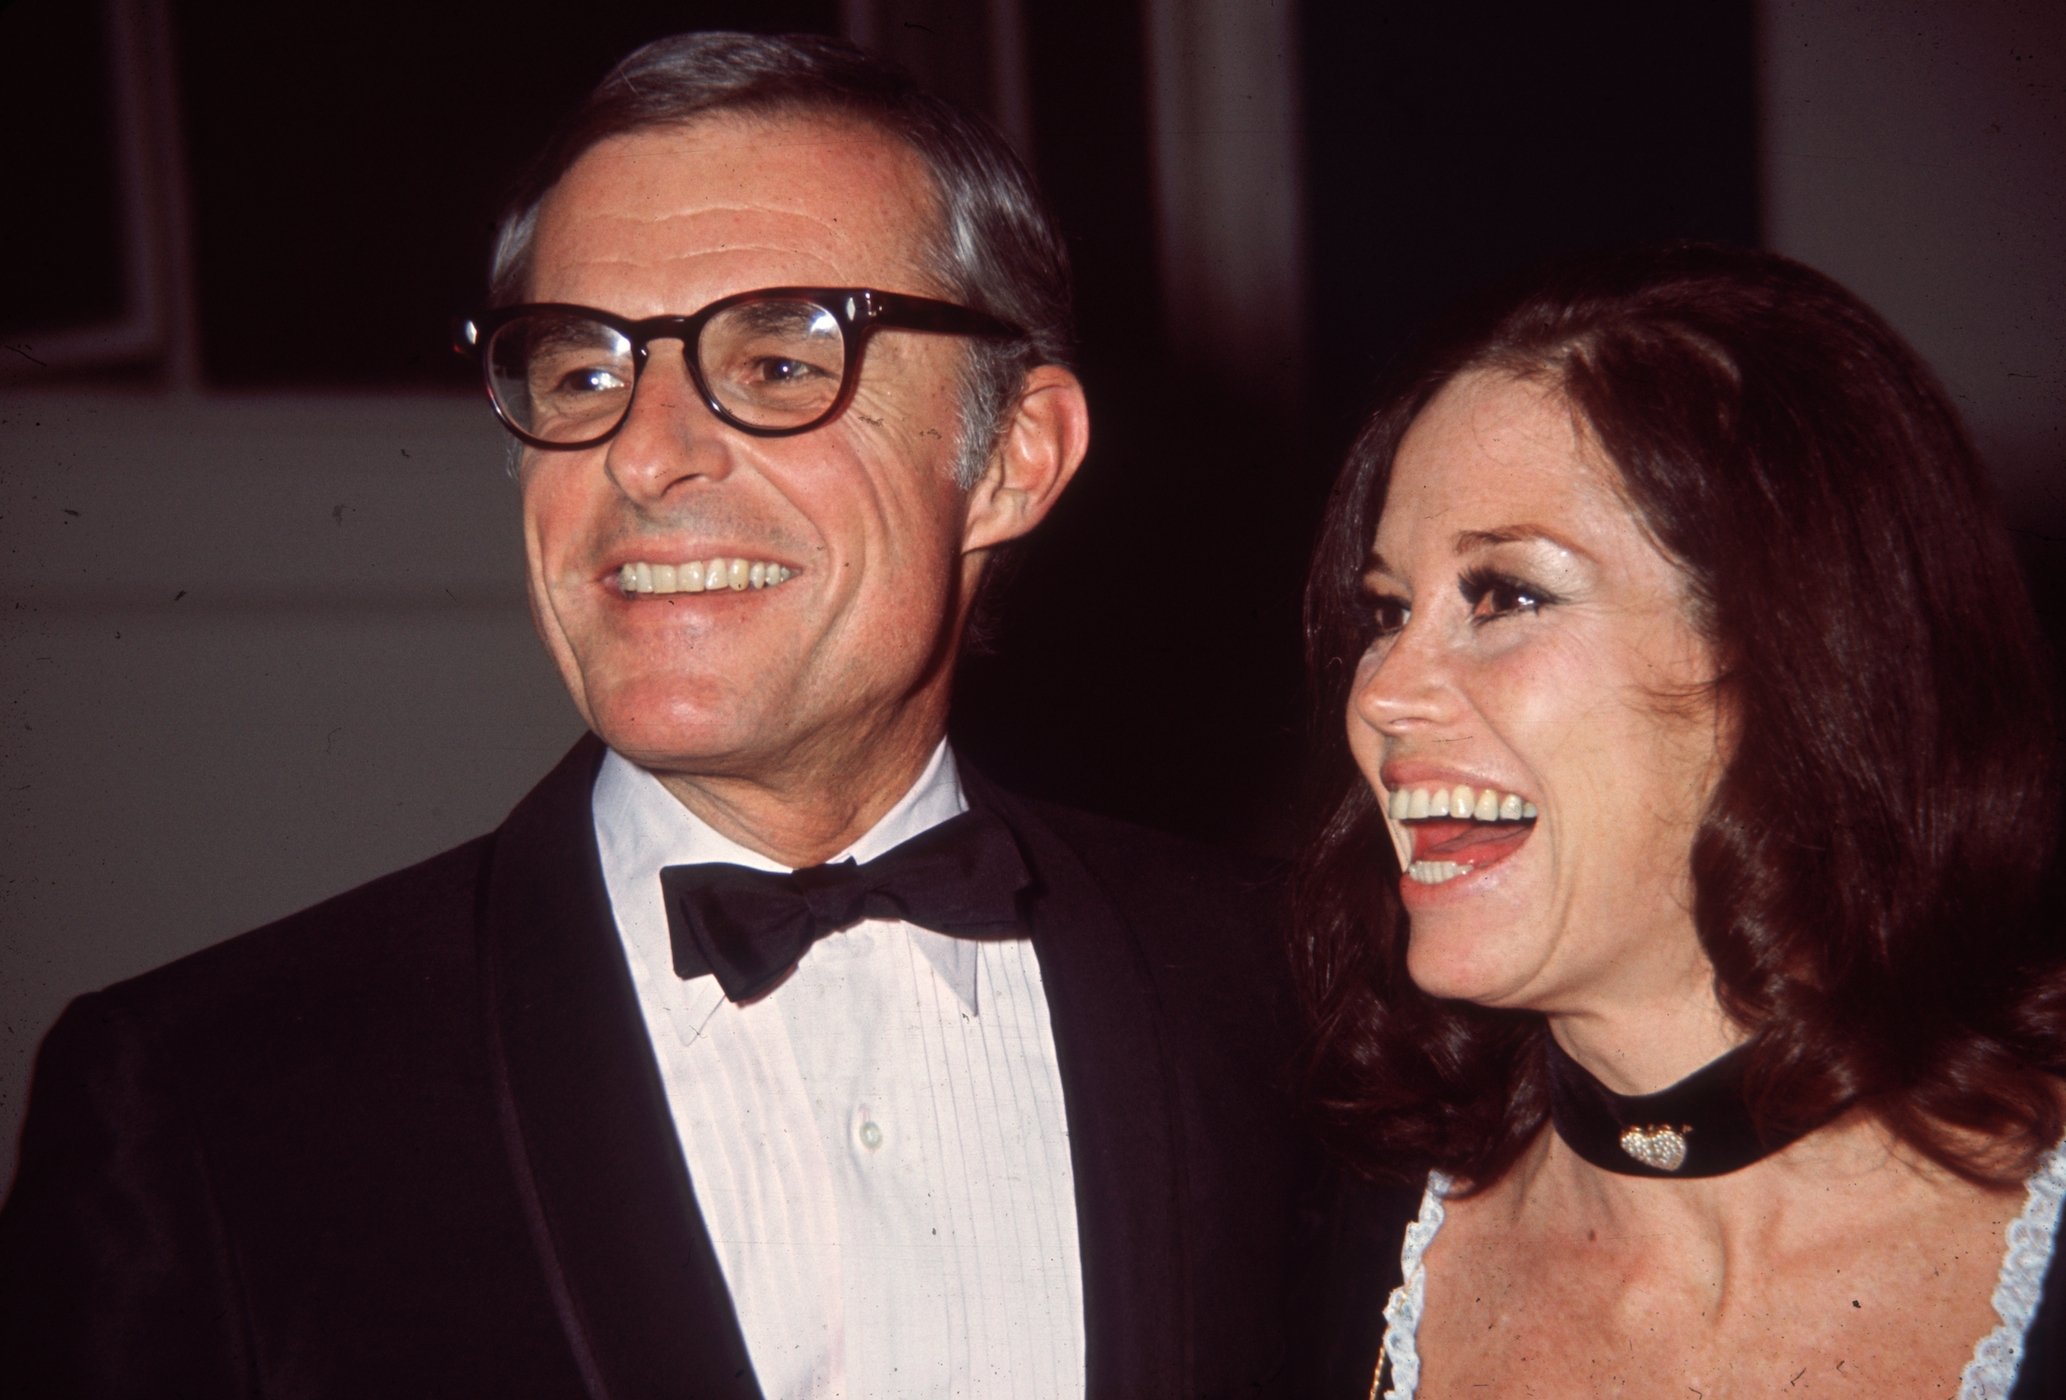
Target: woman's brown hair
[(1867, 875)]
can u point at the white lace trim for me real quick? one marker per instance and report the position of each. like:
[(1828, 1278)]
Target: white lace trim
[(1402, 1309), (1991, 1374)]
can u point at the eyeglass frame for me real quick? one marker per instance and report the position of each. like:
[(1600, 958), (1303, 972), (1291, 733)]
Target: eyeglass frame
[(860, 312)]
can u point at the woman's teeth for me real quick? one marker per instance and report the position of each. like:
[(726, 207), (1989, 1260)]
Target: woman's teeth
[(701, 576), (1435, 872), (1460, 802)]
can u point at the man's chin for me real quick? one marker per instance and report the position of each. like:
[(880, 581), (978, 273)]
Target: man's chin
[(670, 728)]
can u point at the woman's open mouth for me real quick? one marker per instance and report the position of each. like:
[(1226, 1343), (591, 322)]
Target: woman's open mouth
[(1458, 829)]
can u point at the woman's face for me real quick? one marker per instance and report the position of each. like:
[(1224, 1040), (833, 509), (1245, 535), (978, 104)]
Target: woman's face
[(1532, 714)]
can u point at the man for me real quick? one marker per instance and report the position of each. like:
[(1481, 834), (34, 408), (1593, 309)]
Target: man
[(982, 1102)]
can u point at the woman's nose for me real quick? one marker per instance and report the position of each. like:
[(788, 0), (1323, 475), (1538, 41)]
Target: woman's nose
[(1403, 683)]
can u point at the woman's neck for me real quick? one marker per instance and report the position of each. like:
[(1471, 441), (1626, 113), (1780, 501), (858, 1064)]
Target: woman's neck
[(1639, 1047), (1796, 1194), (1642, 1048)]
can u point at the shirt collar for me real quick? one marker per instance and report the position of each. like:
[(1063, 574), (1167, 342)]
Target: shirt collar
[(641, 827)]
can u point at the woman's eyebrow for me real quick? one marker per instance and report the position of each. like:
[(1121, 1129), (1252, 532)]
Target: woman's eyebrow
[(1471, 541)]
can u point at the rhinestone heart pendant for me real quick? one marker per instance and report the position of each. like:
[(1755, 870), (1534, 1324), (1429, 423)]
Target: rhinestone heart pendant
[(1658, 1147)]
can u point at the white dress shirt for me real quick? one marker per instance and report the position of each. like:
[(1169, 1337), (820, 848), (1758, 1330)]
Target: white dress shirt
[(878, 1145)]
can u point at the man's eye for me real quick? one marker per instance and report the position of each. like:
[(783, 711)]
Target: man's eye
[(1494, 596), (595, 380), (781, 369)]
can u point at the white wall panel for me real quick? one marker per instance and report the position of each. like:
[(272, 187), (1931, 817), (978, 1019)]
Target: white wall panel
[(256, 652)]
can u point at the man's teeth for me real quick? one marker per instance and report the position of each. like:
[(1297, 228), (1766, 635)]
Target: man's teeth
[(1460, 802), (702, 576)]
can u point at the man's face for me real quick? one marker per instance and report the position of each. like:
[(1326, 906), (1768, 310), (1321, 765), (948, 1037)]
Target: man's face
[(848, 658)]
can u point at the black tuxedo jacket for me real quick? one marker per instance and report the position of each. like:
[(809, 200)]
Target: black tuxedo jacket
[(412, 1141)]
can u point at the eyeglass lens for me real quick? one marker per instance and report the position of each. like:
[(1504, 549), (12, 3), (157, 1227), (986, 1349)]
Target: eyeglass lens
[(563, 377)]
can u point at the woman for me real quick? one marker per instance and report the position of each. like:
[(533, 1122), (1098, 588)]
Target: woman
[(1712, 993)]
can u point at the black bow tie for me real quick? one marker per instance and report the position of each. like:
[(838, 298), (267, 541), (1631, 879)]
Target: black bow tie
[(749, 927)]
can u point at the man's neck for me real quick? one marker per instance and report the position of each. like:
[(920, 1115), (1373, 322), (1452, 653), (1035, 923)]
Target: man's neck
[(806, 818)]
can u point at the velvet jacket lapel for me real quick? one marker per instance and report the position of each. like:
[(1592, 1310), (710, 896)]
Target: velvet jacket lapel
[(638, 1286), (640, 1293)]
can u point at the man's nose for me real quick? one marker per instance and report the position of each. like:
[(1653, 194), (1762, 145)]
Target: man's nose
[(669, 436)]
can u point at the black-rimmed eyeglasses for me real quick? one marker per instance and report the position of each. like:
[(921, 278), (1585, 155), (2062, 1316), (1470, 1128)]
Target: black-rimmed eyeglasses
[(773, 362)]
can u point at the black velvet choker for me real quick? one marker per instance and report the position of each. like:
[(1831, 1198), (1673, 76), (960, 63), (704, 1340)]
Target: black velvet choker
[(1699, 1126)]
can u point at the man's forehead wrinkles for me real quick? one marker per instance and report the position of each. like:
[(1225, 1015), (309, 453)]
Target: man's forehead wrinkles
[(789, 236), (810, 211), (730, 261), (626, 210)]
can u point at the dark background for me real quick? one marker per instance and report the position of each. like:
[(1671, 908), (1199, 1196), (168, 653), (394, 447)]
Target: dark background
[(346, 165)]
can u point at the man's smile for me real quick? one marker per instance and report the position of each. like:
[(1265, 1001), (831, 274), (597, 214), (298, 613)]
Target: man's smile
[(644, 578)]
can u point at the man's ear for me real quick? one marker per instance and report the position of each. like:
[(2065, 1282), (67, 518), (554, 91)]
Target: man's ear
[(1034, 460)]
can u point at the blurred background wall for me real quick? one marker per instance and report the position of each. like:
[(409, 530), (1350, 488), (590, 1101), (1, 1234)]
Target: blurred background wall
[(261, 617)]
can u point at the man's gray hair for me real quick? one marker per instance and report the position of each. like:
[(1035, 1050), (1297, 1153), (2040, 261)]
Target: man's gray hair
[(995, 247)]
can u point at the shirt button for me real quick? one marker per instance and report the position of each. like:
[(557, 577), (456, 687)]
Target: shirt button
[(871, 1135)]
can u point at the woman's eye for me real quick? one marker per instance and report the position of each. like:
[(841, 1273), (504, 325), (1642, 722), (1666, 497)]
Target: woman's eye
[(1493, 596), (1389, 616)]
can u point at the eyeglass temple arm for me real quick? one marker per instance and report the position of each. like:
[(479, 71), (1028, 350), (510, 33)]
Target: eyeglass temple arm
[(927, 314)]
